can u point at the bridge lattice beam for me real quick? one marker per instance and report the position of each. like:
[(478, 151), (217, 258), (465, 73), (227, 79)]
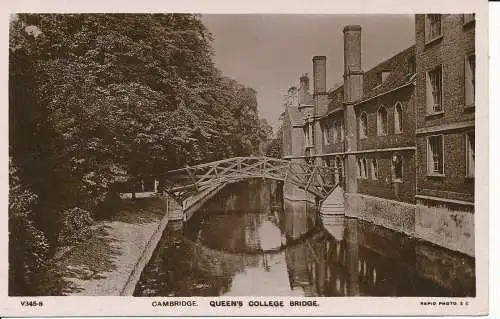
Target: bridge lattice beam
[(184, 182)]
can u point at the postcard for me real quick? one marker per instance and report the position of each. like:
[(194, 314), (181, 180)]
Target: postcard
[(193, 160)]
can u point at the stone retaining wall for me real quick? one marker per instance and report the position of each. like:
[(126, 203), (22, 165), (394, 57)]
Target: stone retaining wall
[(388, 213)]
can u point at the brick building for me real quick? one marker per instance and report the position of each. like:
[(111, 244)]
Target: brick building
[(404, 145), (445, 129)]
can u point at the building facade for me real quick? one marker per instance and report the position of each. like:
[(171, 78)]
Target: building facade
[(401, 134), (445, 129)]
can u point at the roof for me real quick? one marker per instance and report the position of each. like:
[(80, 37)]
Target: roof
[(398, 76)]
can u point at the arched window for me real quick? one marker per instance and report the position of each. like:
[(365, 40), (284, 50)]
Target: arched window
[(398, 118), (363, 125), (382, 121)]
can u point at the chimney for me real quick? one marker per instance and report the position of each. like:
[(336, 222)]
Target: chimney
[(353, 92), (353, 75), (304, 83), (319, 74)]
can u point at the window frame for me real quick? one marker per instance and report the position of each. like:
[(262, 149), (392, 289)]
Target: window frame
[(466, 65), (430, 108), (467, 154), (365, 168), (427, 29), (335, 136), (363, 129), (431, 172), (398, 122), (393, 169), (379, 121), (325, 131)]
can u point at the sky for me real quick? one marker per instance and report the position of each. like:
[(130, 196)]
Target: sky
[(269, 52)]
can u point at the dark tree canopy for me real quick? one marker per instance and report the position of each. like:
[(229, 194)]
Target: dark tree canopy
[(98, 99)]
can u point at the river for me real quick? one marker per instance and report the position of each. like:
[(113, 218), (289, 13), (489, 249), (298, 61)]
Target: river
[(249, 241)]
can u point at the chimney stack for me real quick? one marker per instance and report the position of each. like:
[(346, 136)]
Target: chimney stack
[(304, 83), (353, 92), (319, 74), (353, 75)]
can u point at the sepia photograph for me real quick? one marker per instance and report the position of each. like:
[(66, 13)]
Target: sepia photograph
[(181, 155)]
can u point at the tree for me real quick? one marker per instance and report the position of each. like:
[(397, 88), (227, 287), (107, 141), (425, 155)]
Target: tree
[(100, 99), (275, 147)]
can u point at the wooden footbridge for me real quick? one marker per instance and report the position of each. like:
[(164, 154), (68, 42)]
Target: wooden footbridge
[(192, 180)]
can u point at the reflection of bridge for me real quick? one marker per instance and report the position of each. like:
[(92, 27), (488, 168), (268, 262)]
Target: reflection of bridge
[(189, 181)]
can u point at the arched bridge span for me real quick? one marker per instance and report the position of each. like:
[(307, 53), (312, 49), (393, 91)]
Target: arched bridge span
[(189, 181)]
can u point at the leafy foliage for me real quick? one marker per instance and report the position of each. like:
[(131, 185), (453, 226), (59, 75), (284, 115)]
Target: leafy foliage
[(28, 246), (274, 148), (75, 226), (100, 99)]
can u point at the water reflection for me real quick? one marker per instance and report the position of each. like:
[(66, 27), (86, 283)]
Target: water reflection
[(246, 242)]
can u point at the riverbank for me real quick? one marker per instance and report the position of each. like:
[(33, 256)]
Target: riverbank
[(104, 264)]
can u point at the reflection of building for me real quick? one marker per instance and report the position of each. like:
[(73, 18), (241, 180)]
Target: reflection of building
[(401, 134)]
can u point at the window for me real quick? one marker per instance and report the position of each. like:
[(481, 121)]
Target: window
[(470, 79), (359, 168), (335, 132), (469, 18), (382, 121), (398, 118), (374, 169), (362, 169), (432, 27), (338, 131), (397, 168), (434, 90), (326, 138), (470, 153), (435, 155), (363, 125), (382, 76)]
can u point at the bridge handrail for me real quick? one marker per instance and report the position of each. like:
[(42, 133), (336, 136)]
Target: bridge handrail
[(232, 159)]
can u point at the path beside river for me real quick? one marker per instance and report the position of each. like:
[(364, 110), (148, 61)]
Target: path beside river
[(102, 264)]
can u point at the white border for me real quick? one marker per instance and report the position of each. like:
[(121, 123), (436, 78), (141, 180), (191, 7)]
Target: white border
[(127, 306)]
